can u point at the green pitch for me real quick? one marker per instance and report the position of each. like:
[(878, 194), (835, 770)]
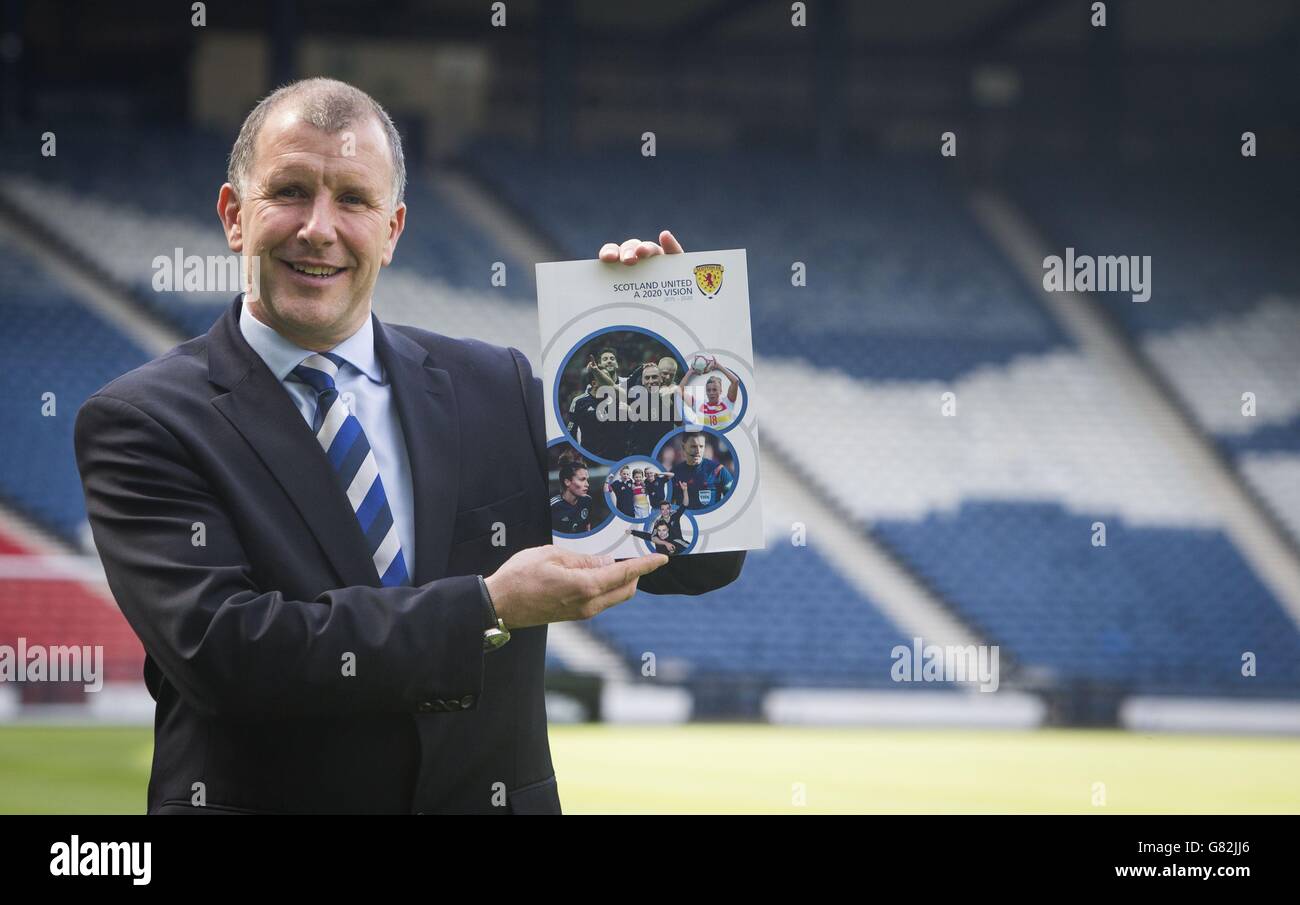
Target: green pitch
[(766, 769)]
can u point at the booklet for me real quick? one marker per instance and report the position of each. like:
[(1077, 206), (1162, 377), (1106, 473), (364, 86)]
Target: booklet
[(650, 418)]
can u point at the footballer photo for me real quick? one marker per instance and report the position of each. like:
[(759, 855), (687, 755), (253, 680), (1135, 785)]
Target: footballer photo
[(620, 392), (577, 506)]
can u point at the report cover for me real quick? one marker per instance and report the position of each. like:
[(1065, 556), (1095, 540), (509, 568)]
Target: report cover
[(651, 418)]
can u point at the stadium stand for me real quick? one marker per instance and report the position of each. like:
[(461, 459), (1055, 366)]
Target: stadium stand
[(50, 345), (1157, 610), (47, 610), (1225, 309), (878, 303), (794, 621), (993, 509), (120, 206)]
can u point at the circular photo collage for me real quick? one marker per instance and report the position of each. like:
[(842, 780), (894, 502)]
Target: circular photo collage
[(644, 437)]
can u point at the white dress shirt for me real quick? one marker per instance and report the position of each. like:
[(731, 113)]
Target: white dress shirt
[(364, 388)]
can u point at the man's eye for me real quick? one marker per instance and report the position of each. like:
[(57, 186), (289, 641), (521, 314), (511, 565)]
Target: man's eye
[(353, 199), (289, 190)]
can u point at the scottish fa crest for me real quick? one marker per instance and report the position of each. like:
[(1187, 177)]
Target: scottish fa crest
[(709, 278)]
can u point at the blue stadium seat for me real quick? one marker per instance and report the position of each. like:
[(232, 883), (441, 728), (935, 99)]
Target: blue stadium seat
[(49, 344), (792, 620), (901, 285), (1156, 610)]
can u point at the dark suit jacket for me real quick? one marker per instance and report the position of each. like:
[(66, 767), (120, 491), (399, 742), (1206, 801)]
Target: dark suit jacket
[(233, 552)]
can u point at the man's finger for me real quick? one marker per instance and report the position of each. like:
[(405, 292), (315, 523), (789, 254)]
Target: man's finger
[(609, 252), (648, 250), (629, 570), (627, 251), (670, 244), (612, 598), (571, 560)]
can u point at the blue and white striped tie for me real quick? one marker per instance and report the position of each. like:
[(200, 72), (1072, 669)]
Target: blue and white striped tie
[(339, 433)]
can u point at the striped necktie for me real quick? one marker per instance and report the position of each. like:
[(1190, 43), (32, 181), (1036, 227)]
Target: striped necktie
[(339, 433)]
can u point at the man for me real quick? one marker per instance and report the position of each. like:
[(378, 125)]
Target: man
[(307, 581), (609, 394), (661, 414), (703, 482), (645, 413), (668, 373), (582, 413), (584, 425), (571, 507)]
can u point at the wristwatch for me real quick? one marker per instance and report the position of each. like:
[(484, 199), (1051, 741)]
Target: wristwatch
[(496, 634)]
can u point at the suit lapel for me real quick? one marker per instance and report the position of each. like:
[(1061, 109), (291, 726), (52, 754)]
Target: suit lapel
[(426, 404), (262, 411)]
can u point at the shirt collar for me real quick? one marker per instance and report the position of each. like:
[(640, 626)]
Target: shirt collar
[(282, 356)]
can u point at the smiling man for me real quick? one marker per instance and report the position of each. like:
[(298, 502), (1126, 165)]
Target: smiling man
[(316, 191), (331, 533)]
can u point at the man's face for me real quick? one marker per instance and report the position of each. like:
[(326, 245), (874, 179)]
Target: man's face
[(694, 448), (306, 203), (609, 363), (665, 510), (667, 371), (650, 376), (578, 483), (713, 389)]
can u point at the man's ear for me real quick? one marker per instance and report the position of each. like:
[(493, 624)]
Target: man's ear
[(396, 223), (228, 208)]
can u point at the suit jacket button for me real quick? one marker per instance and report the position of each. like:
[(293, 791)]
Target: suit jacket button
[(440, 705), (424, 707), (467, 702)]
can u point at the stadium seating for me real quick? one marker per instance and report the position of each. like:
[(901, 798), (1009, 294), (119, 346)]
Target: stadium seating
[(121, 205), (1224, 315), (792, 621), (52, 611), (1156, 610), (900, 283), (906, 299), (50, 344)]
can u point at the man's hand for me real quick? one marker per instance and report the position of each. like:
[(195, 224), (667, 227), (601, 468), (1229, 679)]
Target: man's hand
[(634, 250), (541, 585)]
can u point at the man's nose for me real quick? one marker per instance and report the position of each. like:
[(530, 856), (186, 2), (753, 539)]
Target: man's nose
[(320, 228)]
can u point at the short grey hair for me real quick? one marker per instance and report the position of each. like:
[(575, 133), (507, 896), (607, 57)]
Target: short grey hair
[(329, 105)]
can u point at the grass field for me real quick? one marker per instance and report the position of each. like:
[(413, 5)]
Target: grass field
[(763, 769)]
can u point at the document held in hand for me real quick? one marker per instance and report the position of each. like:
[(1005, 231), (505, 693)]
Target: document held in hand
[(650, 418)]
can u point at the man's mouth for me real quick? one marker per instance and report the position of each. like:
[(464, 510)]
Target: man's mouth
[(319, 273)]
